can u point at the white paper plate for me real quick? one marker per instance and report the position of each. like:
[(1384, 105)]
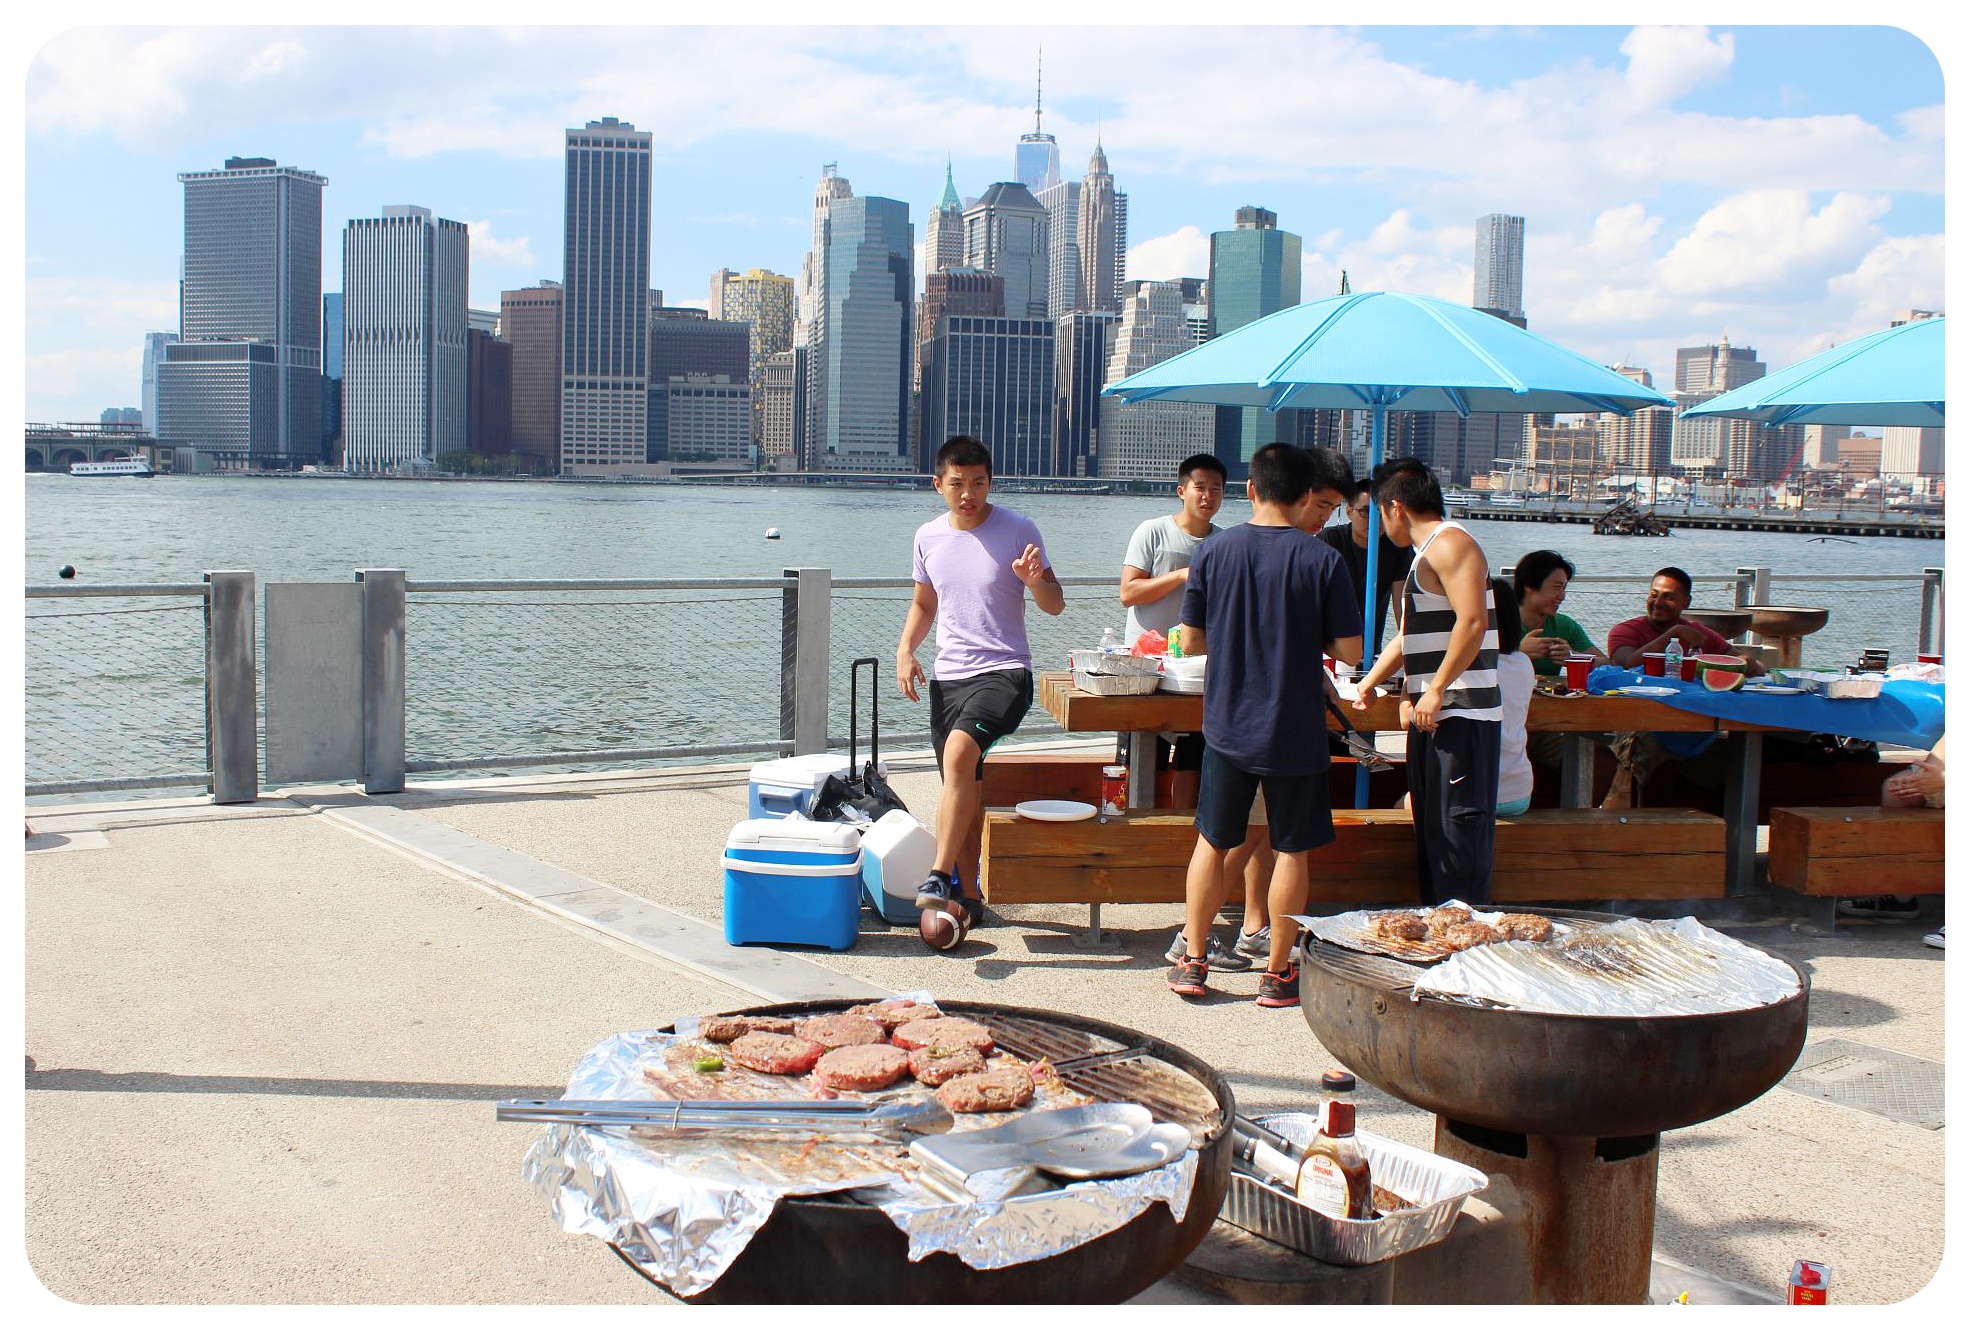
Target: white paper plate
[(1769, 688), (1055, 810), (1649, 690)]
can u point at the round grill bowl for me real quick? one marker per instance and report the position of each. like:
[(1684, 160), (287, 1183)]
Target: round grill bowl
[(829, 1250)]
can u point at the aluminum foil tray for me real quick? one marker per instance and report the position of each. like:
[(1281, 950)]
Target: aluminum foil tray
[(1437, 1185), (1115, 685), (1836, 685)]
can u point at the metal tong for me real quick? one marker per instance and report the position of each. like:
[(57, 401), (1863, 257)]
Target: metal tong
[(914, 1116), (1362, 751)]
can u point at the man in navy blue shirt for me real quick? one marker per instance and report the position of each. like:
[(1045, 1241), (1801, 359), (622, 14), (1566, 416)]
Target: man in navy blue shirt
[(1265, 600)]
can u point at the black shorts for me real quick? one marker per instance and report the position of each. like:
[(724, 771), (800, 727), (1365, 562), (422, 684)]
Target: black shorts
[(1299, 809), (987, 706)]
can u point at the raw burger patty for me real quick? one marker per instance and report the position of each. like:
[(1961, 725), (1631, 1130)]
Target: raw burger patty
[(862, 1066), (840, 1031), (997, 1091), (934, 1066), (944, 1032), (889, 1015), (775, 1054), (724, 1029)]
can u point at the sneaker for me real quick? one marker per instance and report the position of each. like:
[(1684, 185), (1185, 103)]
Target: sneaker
[(1258, 946), (1280, 990), (1934, 939), (936, 891), (1187, 976), (1878, 907), (1214, 953)]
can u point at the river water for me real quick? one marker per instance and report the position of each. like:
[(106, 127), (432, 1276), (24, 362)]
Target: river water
[(552, 674)]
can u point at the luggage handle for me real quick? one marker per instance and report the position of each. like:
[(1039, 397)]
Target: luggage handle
[(855, 710)]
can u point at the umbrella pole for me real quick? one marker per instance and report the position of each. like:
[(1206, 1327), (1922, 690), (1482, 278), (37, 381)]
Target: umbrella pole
[(1371, 632)]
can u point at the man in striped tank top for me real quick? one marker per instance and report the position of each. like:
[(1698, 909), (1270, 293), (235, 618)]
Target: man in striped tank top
[(1447, 649)]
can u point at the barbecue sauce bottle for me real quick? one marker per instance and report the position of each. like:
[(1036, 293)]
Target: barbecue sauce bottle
[(1334, 1171)]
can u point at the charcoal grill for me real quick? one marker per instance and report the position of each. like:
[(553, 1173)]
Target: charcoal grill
[(829, 1249), (1569, 1110)]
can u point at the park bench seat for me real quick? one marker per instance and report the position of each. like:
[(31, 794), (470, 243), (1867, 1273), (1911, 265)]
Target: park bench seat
[(1857, 851), (1541, 855)]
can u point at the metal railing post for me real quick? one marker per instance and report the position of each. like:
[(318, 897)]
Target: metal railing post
[(383, 679), (1741, 593), (806, 623), (232, 738), (1929, 636)]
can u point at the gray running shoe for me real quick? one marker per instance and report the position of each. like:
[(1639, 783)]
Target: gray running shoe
[(1258, 946), (1219, 958)]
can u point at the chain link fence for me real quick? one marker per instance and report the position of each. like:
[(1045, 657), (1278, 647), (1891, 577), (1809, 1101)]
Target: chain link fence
[(535, 669), (115, 688)]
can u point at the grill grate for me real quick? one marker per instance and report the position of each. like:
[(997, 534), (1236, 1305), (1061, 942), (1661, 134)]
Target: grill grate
[(1170, 1094)]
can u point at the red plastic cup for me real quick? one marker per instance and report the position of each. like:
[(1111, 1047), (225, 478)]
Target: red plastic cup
[(1576, 671), (1930, 657), (1653, 663), (1689, 669)]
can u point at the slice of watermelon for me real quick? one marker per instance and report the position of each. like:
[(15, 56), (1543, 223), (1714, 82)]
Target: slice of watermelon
[(1720, 674)]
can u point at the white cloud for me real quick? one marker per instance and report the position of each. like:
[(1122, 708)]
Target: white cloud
[(491, 251), (1667, 63), (1769, 241), (77, 383), (1183, 253), (101, 305)]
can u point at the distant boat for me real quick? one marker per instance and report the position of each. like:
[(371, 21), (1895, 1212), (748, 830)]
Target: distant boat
[(1503, 500), (115, 466)]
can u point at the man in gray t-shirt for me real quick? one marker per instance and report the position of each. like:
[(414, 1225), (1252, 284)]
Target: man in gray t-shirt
[(1157, 563)]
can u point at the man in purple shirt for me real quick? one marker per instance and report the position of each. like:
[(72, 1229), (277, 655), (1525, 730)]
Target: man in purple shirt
[(972, 566)]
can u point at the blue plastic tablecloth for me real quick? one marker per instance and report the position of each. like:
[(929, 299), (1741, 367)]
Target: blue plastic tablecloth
[(1907, 713)]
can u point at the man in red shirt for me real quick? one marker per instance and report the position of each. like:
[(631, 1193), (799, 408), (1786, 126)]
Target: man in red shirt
[(1669, 596)]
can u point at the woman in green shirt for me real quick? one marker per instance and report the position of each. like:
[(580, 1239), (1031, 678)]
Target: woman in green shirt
[(1540, 580)]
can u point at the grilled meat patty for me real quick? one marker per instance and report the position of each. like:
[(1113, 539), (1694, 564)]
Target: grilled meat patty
[(996, 1091), (943, 1032), (775, 1054), (862, 1066)]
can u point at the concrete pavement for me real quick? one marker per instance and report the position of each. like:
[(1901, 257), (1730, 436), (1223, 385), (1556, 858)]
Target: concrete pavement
[(263, 1041)]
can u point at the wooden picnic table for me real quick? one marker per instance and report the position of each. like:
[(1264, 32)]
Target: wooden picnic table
[(1579, 717)]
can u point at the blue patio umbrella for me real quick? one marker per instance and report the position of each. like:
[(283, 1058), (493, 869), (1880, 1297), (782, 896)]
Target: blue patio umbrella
[(1893, 377), (1383, 351)]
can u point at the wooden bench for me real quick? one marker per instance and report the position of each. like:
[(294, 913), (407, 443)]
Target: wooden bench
[(1013, 778), (1857, 851), (1541, 855)]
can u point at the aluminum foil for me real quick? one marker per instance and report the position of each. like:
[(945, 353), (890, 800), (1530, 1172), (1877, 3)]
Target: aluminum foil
[(684, 1207), (1632, 967), (1354, 929)]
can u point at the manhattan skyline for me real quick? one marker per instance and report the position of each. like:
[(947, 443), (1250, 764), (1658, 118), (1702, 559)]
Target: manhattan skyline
[(1777, 186)]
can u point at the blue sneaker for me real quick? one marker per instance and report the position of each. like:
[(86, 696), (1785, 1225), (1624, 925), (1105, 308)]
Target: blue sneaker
[(936, 891)]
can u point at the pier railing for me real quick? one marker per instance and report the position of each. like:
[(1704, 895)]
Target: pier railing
[(185, 685)]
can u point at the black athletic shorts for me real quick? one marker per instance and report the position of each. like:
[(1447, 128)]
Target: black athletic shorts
[(987, 706), (1299, 809)]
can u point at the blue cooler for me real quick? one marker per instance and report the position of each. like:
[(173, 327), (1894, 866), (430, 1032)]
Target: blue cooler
[(789, 784), (788, 880)]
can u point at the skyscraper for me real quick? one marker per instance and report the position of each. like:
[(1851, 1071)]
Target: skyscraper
[(944, 233), (331, 376), (1255, 271), (956, 290), (782, 408), (1082, 341), (992, 378), (404, 283), (1036, 161), (1005, 232), (154, 344), (530, 322), (605, 297), (1103, 236), (488, 394), (245, 377), (859, 345), (1702, 372), (1147, 440), (829, 188), (767, 303), (1062, 202), (1500, 282)]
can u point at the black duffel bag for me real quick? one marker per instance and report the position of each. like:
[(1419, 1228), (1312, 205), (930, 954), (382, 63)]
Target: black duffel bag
[(862, 795)]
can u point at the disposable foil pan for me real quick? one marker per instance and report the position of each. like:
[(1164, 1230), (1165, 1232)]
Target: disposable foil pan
[(1437, 1185)]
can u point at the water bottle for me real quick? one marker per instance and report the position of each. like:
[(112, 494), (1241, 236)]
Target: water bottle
[(1672, 659), (1110, 639)]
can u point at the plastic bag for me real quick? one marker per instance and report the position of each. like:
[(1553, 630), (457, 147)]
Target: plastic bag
[(1151, 643)]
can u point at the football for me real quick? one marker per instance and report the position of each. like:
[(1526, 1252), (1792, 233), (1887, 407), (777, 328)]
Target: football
[(944, 927)]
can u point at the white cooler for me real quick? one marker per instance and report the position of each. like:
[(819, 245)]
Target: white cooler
[(789, 784), (896, 856)]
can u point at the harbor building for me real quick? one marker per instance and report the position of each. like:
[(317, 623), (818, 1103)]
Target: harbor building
[(404, 284), (242, 384), (1147, 440), (1102, 231), (1005, 232), (605, 298), (530, 323), (767, 304), (700, 378), (1499, 276), (1255, 271), (992, 378), (1082, 342), (859, 345)]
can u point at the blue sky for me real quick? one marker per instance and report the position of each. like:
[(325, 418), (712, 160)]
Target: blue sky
[(1781, 186)]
